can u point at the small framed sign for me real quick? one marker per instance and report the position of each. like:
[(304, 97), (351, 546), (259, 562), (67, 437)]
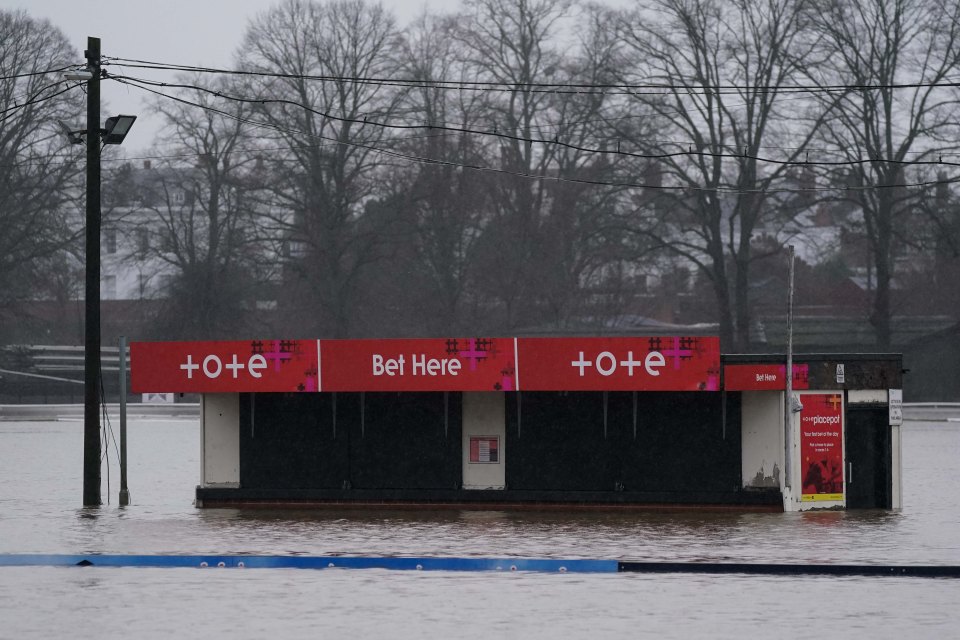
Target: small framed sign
[(896, 407), (484, 450)]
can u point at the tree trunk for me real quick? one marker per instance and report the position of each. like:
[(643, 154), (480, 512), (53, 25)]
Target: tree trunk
[(880, 317)]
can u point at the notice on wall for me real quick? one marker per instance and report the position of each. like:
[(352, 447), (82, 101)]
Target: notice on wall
[(484, 450), (821, 447), (896, 407)]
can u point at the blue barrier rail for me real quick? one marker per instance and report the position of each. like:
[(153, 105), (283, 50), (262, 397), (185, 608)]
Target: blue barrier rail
[(542, 565), (313, 562)]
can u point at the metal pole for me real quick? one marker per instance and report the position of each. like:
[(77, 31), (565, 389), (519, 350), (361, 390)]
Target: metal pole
[(124, 492), (788, 398), (91, 360)]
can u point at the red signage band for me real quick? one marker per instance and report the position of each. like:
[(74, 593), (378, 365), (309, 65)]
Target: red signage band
[(620, 364), (763, 377), (223, 367), (437, 364)]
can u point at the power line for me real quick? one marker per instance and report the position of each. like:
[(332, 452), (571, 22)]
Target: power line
[(429, 84), (9, 111), (680, 144), (514, 86), (515, 138), (547, 87), (434, 161), (35, 160), (36, 73)]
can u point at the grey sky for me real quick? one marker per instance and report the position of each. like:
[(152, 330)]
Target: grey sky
[(192, 32)]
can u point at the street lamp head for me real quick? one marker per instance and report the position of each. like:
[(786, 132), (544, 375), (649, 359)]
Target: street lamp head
[(116, 128), (80, 75), (75, 137)]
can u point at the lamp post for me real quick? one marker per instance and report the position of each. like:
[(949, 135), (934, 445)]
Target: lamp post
[(113, 133), (91, 354), (788, 403)]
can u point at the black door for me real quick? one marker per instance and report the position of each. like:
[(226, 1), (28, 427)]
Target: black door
[(868, 457)]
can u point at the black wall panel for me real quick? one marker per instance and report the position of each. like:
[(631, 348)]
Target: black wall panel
[(671, 442), (556, 441), (407, 441), (397, 441), (681, 443), (869, 457), (559, 443), (291, 441)]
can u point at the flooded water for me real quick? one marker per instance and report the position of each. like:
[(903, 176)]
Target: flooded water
[(40, 494)]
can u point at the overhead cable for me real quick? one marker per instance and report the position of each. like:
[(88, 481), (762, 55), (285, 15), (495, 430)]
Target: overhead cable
[(523, 139), (37, 73), (522, 174), (548, 87)]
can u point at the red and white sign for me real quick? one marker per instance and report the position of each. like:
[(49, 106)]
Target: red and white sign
[(223, 367), (438, 364), (763, 377), (619, 364)]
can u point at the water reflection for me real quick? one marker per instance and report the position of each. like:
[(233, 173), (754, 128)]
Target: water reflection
[(871, 536), (40, 481), (38, 513)]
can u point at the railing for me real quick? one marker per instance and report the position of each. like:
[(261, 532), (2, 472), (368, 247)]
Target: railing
[(932, 405), (45, 374), (932, 411), (45, 412)]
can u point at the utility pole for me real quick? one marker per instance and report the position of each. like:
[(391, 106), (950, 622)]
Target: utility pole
[(124, 491), (788, 395), (91, 358)]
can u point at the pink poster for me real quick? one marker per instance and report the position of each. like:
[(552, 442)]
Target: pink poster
[(821, 447)]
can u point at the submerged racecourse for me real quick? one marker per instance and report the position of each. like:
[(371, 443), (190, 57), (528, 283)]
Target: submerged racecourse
[(40, 497)]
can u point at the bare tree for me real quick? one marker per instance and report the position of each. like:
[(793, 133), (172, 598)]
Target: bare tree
[(944, 213), (511, 44), (578, 248), (715, 70), (445, 204), (331, 55), (206, 240), (895, 56), (37, 166), (542, 238)]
